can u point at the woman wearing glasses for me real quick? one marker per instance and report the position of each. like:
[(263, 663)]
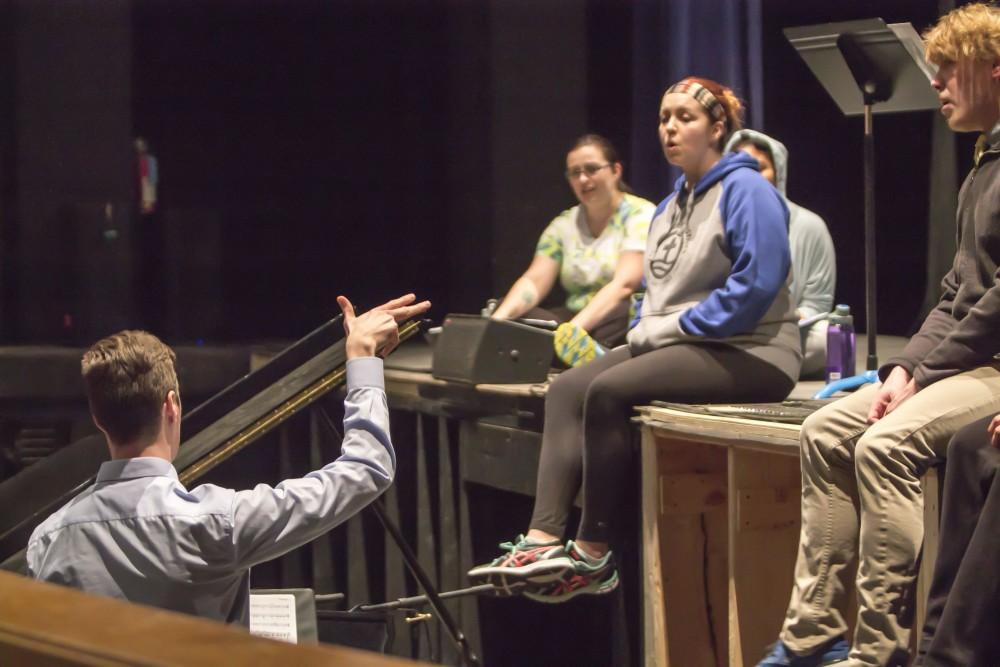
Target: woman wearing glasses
[(594, 248), (717, 325)]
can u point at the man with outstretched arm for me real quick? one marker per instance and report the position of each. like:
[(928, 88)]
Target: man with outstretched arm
[(139, 535)]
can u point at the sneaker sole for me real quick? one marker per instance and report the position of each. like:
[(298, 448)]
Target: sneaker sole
[(543, 571), (602, 589), (508, 590)]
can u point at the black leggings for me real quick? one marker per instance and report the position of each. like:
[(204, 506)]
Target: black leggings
[(588, 411)]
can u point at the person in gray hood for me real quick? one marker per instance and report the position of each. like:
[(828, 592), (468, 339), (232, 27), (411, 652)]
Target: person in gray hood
[(814, 262)]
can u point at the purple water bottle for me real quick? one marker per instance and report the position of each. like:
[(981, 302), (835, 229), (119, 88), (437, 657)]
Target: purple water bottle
[(840, 344)]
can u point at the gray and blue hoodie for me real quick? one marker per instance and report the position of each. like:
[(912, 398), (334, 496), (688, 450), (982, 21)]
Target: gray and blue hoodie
[(717, 268)]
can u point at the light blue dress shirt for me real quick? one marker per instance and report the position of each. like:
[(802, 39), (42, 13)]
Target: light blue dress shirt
[(139, 535)]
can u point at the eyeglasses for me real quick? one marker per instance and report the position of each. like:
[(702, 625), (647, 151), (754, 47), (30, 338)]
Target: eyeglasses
[(589, 169)]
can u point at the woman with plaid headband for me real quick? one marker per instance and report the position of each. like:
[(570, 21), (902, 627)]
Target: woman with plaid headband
[(717, 325)]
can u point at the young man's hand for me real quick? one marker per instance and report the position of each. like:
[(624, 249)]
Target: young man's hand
[(994, 430), (377, 329), (896, 389)]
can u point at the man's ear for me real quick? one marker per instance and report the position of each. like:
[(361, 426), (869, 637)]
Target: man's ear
[(172, 405), (995, 70), (98, 424)]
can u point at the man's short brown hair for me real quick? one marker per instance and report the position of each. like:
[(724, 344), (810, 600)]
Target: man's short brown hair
[(127, 377), (971, 32)]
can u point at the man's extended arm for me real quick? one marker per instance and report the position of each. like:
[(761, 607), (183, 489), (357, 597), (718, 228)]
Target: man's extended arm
[(268, 522)]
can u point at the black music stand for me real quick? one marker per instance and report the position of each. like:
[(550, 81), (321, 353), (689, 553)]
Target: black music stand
[(862, 64)]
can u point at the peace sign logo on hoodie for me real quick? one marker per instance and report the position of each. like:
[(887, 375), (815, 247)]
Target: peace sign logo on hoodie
[(668, 248)]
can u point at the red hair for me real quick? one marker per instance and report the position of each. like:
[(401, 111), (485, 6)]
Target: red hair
[(727, 98)]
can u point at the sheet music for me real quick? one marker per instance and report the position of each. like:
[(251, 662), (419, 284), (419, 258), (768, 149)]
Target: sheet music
[(272, 615)]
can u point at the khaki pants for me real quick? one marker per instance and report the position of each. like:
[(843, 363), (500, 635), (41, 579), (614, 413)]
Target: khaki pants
[(862, 498)]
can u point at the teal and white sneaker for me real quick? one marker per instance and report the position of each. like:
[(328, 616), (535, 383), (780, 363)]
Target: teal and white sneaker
[(589, 576), (524, 561), (574, 346)]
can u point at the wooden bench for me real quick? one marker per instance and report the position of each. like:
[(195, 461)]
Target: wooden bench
[(44, 624), (720, 530)]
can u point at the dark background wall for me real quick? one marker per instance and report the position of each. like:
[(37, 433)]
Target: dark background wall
[(825, 168), (67, 119), (315, 134), (312, 148)]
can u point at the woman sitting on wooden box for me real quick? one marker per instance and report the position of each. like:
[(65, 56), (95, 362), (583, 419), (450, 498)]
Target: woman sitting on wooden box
[(717, 325)]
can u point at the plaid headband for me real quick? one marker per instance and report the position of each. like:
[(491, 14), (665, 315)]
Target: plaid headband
[(702, 95)]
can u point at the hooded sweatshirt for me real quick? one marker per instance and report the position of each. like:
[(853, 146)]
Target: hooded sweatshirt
[(814, 263), (717, 268), (961, 332)]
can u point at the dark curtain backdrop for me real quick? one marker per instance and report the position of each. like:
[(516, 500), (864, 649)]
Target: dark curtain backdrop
[(942, 196), (308, 137), (919, 162), (374, 147), (717, 39)]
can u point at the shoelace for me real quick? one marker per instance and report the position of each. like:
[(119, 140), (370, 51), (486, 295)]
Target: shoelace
[(522, 556)]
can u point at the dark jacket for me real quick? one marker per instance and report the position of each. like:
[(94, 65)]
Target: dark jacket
[(963, 330)]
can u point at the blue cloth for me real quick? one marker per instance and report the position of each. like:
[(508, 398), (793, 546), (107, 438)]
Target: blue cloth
[(139, 535), (722, 40)]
